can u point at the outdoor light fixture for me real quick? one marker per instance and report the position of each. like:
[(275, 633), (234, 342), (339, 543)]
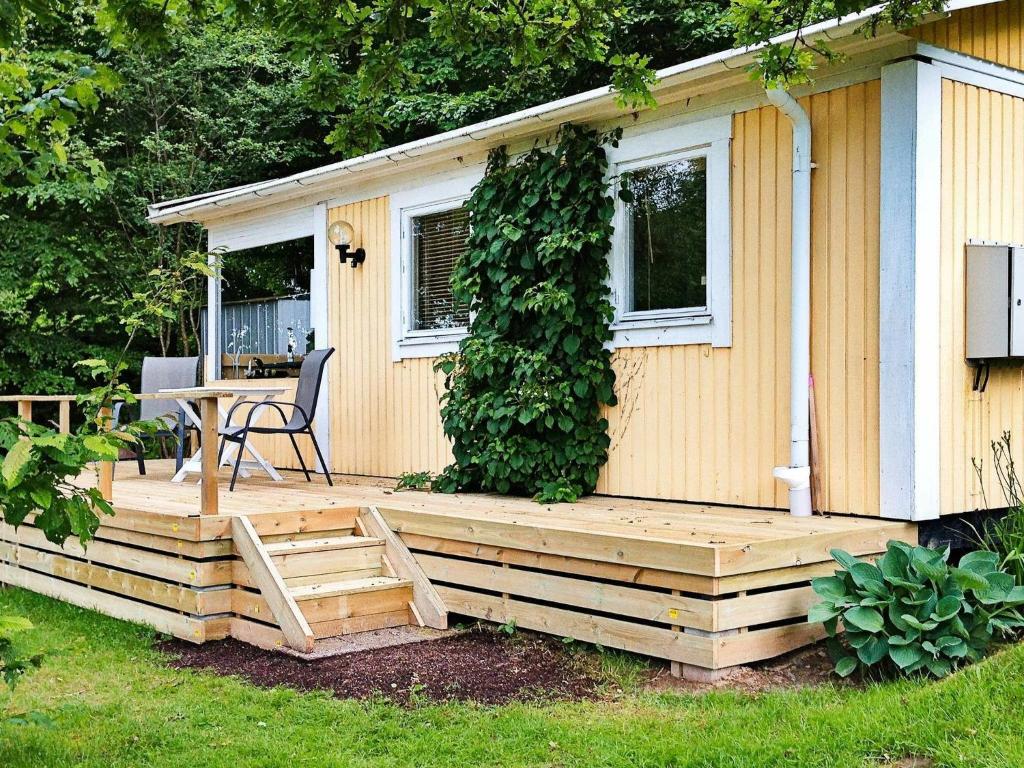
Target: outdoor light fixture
[(340, 233)]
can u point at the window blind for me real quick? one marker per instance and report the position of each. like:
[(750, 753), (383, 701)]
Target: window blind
[(439, 240)]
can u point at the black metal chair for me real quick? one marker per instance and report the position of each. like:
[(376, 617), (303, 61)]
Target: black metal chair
[(307, 392), (163, 373)]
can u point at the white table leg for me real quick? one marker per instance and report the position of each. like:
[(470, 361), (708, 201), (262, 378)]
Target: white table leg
[(194, 464)]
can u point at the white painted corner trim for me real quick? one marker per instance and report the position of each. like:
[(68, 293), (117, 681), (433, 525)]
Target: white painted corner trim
[(437, 193), (319, 316), (710, 138), (909, 360)]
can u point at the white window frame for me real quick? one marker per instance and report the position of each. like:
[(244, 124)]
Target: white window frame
[(431, 197), (712, 324)]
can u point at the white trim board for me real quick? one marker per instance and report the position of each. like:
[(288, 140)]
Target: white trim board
[(262, 226), (909, 292), (973, 71), (319, 315)]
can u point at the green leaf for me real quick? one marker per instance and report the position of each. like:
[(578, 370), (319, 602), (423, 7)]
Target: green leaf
[(979, 562), (16, 463), (924, 626), (845, 559), (867, 619), (846, 666), (873, 651), (101, 447), (966, 579), (829, 587), (571, 344), (947, 608), (906, 656), (822, 612), (9, 625)]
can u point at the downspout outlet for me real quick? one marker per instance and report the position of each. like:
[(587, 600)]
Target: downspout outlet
[(799, 481)]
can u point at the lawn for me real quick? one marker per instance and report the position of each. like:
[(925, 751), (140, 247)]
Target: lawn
[(115, 703)]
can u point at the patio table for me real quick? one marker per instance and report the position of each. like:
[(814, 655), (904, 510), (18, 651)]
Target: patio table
[(194, 465)]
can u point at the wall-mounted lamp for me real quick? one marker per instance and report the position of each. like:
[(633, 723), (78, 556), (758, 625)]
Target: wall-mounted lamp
[(340, 233)]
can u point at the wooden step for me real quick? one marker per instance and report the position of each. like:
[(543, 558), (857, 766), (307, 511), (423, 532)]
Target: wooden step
[(303, 535), (348, 587), (326, 544), (320, 565), (322, 578)]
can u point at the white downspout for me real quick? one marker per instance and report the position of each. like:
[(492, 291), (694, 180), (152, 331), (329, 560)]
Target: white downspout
[(798, 474)]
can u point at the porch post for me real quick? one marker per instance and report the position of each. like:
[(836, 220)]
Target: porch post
[(213, 323), (318, 316), (909, 363)]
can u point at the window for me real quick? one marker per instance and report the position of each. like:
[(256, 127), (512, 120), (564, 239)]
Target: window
[(438, 241), (667, 221), (430, 228), (671, 257)]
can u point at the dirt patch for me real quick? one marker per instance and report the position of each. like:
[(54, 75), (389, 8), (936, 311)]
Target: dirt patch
[(476, 666), (806, 668)]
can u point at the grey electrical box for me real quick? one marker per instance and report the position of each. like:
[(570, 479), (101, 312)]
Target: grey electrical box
[(995, 302)]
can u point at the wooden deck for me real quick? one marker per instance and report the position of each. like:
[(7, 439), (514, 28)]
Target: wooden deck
[(707, 586)]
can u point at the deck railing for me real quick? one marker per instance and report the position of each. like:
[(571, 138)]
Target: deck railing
[(208, 414)]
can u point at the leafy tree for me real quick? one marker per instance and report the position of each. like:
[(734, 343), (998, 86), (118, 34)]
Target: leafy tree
[(220, 106), (377, 65)]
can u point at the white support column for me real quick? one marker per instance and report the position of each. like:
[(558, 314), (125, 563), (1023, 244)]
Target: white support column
[(911, 161), (213, 322), (318, 317)]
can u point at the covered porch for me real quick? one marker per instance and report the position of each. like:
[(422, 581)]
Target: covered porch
[(286, 563)]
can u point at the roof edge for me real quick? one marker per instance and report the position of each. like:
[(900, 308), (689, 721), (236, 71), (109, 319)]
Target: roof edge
[(198, 208)]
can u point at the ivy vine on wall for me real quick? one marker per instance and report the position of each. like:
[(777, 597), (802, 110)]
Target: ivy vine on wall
[(523, 396)]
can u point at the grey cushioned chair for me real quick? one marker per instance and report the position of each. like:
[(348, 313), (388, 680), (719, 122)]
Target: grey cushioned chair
[(164, 373), (300, 422)]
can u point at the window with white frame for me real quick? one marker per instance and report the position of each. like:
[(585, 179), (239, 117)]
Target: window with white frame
[(438, 241), (667, 235), (430, 227), (671, 258)]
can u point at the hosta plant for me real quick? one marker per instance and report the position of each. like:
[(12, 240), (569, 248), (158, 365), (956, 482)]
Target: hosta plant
[(913, 612)]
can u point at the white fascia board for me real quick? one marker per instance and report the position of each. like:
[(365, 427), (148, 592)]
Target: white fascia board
[(909, 292), (550, 114)]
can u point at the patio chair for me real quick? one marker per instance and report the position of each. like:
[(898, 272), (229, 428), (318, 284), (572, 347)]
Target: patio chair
[(163, 373), (300, 422)]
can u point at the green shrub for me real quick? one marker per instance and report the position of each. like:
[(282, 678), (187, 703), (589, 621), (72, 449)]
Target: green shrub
[(913, 612)]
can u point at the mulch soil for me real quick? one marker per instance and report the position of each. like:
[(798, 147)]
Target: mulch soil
[(478, 666), (481, 666)]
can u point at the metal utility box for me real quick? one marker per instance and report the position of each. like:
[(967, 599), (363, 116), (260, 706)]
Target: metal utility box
[(995, 301)]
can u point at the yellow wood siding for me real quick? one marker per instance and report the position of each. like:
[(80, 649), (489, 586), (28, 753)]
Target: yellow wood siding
[(385, 415), (693, 423), (707, 424), (983, 198), (994, 32)]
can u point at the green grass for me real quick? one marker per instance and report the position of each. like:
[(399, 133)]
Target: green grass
[(115, 704)]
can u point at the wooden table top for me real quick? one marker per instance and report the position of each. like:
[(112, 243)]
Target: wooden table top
[(193, 392)]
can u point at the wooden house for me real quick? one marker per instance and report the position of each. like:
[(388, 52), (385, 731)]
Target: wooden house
[(842, 224)]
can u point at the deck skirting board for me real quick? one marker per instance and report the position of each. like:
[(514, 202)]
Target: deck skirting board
[(702, 586)]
